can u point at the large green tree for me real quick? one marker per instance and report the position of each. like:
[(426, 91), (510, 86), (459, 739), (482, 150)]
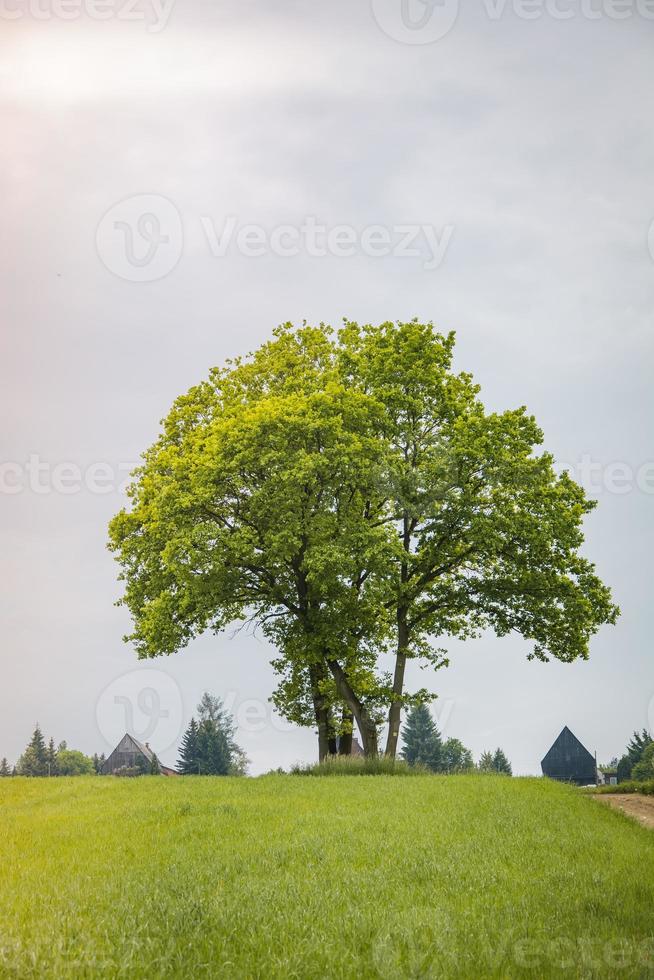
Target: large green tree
[(351, 495), (255, 502)]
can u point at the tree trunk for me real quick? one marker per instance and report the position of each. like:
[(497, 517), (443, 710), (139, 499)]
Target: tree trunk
[(345, 740), (365, 723), (395, 710), (321, 710)]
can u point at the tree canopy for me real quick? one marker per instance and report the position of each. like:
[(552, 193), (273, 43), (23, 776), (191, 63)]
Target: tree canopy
[(349, 494)]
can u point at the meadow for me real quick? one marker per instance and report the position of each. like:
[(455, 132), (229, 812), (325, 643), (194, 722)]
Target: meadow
[(292, 876)]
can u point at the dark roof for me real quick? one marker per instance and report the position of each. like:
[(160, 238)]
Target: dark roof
[(568, 759), (129, 746)]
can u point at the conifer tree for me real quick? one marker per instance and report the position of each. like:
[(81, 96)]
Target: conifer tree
[(188, 763), (33, 761), (155, 768), (486, 762), (422, 743), (501, 764), (4, 768), (213, 750)]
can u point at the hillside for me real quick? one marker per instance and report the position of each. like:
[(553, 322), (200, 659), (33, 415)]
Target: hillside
[(287, 876)]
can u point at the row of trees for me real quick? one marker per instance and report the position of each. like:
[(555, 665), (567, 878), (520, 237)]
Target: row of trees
[(422, 744), (47, 759), (350, 496), (208, 748)]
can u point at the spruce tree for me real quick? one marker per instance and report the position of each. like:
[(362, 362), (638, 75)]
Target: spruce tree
[(213, 750), (486, 762), (189, 762), (33, 761), (501, 764), (155, 768), (4, 768), (421, 739)]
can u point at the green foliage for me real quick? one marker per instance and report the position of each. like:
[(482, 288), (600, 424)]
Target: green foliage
[(351, 496), (644, 768), (5, 769), (74, 763), (52, 757), (455, 757), (34, 760), (290, 877), (209, 747), (188, 763), (485, 763), (623, 770), (422, 744), (501, 764), (633, 754), (631, 786)]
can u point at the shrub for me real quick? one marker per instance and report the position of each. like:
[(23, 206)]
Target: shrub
[(356, 765), (631, 786)]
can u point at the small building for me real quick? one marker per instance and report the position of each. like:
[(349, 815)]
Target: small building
[(607, 776), (132, 754), (569, 761)]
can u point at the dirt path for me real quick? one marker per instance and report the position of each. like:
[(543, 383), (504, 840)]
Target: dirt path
[(640, 807)]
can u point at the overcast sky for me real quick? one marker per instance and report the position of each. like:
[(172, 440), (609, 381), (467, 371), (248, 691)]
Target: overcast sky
[(512, 158)]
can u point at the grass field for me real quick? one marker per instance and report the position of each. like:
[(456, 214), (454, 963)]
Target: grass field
[(290, 876)]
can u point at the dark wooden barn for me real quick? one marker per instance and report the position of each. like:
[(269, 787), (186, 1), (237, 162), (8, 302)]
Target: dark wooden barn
[(131, 754), (569, 761)]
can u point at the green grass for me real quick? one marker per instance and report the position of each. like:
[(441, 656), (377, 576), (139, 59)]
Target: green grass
[(353, 765), (289, 877)]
